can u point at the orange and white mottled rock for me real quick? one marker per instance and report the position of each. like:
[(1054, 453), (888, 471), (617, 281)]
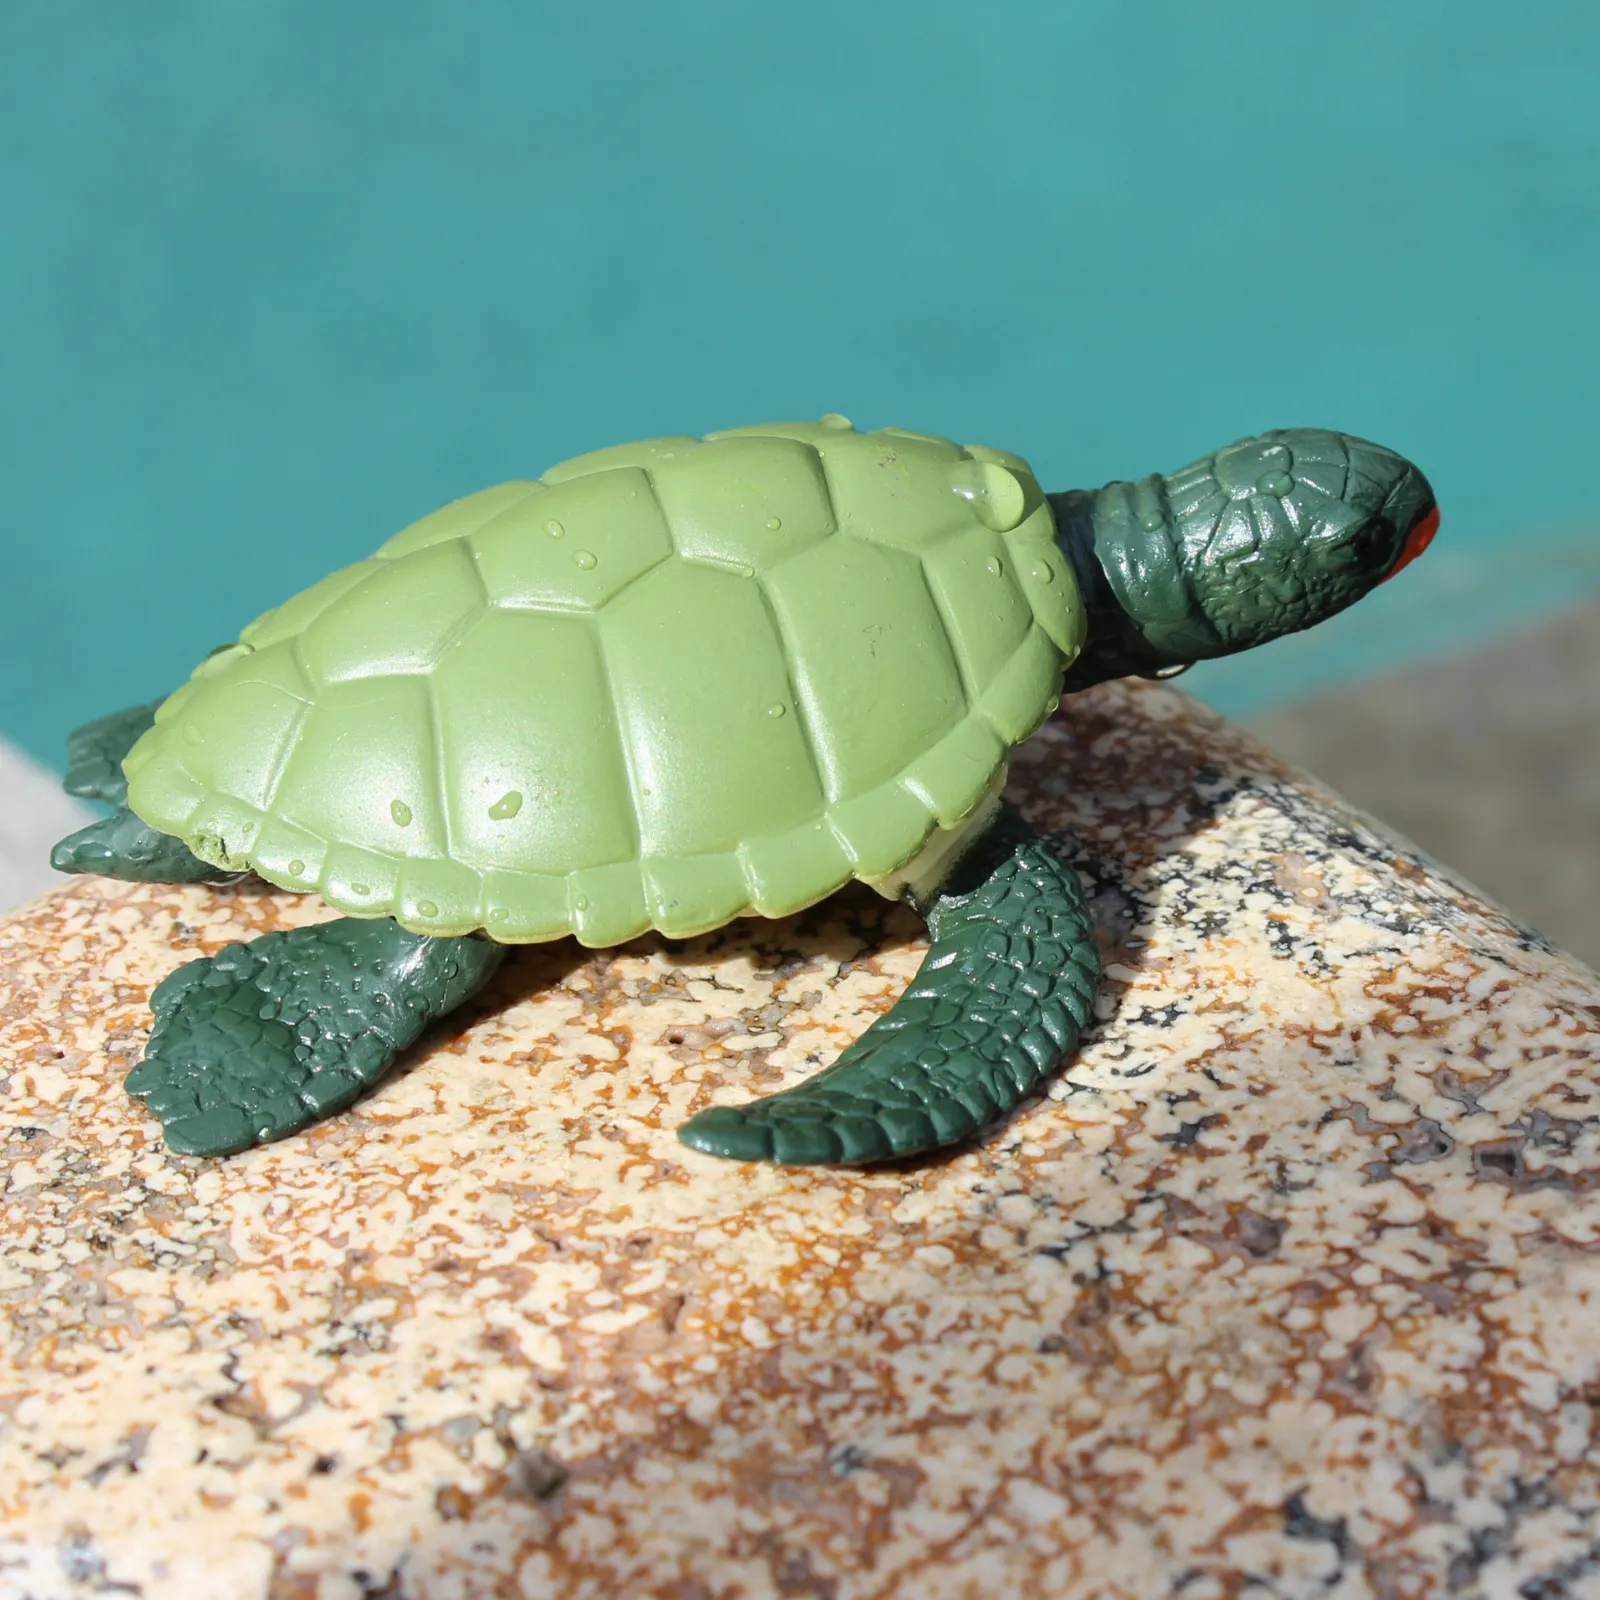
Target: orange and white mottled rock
[(1287, 1287)]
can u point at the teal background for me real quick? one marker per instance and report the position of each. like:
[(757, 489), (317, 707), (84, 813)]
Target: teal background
[(278, 277)]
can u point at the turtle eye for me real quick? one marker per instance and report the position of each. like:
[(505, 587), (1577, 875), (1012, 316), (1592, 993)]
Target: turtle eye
[(1372, 542)]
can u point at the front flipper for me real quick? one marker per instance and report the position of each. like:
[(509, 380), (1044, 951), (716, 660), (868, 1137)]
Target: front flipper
[(264, 1038), (1000, 1000)]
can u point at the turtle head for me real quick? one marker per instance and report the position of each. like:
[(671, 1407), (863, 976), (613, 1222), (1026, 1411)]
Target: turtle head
[(1271, 535)]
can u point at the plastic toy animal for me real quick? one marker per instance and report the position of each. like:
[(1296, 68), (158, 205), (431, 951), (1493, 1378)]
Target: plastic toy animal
[(682, 681)]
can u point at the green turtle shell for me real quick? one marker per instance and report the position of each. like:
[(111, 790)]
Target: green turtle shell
[(667, 684)]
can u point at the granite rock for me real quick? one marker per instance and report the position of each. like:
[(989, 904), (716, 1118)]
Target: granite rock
[(1287, 1287), (1487, 758)]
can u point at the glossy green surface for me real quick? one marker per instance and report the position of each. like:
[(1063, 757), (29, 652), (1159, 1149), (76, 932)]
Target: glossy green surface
[(1271, 535), (262, 1039), (670, 682), (124, 846), (1003, 994), (1268, 537)]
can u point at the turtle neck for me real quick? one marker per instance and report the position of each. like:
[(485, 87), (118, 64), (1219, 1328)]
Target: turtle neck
[(1114, 647)]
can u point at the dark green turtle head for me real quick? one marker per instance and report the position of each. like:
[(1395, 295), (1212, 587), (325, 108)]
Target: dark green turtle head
[(1264, 538)]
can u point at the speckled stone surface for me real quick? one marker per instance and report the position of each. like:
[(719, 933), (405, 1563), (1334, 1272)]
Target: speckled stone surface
[(1289, 1287)]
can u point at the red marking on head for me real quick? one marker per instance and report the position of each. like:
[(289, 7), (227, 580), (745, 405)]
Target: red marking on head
[(1419, 539)]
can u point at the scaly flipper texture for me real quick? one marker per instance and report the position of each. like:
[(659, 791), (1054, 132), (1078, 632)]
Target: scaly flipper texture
[(264, 1038), (1001, 998), (95, 752), (121, 845)]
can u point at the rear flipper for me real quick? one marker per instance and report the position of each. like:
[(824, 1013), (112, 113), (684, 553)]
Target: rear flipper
[(121, 846), (95, 752), (262, 1039), (1004, 992)]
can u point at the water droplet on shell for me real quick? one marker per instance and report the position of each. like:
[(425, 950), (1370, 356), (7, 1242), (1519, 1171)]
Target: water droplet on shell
[(585, 559), (426, 908), (296, 868), (998, 500), (401, 812), (508, 805), (554, 529), (834, 420)]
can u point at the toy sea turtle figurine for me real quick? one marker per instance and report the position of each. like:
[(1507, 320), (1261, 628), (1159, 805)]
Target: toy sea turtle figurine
[(682, 681)]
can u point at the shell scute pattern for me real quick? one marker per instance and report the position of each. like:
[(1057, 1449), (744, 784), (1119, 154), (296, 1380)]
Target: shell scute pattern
[(296, 614), (534, 774), (748, 503), (986, 617), (783, 870), (456, 520), (710, 746), (525, 907), (574, 547), (436, 589), (900, 494), (645, 453), (378, 735), (875, 676), (669, 682)]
